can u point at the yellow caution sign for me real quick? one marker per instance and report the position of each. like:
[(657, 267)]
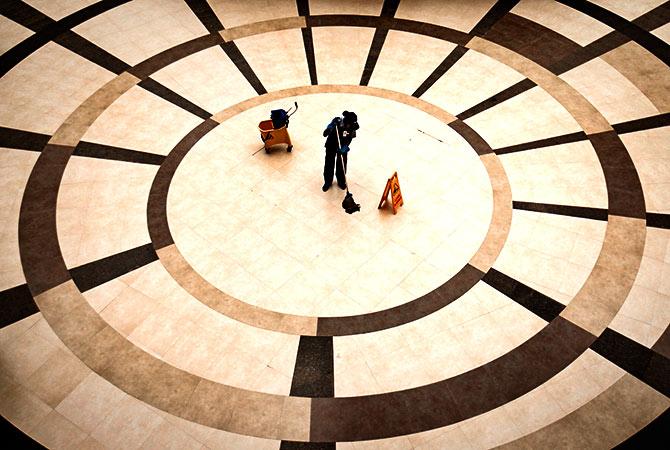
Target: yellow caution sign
[(392, 187)]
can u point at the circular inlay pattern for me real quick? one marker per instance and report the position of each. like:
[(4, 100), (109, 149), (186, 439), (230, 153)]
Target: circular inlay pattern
[(194, 208)]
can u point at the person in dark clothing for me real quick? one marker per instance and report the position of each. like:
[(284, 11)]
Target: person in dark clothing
[(346, 126)]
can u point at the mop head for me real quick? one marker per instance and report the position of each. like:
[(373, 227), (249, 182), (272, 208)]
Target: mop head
[(349, 205)]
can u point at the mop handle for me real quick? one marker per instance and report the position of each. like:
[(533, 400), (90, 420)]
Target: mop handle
[(344, 168)]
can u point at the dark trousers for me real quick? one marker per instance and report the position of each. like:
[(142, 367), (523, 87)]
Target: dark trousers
[(329, 166)]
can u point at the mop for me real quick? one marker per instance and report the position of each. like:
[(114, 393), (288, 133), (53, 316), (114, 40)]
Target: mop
[(349, 205)]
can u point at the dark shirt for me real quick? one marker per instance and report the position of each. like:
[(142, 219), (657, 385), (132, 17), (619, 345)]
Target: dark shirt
[(331, 141)]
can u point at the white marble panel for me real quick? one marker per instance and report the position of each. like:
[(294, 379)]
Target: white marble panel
[(340, 53)]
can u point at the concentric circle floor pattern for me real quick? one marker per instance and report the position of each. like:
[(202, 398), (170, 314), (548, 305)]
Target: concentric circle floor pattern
[(165, 283)]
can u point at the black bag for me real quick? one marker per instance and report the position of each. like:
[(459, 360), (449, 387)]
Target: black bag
[(279, 118), (349, 205)]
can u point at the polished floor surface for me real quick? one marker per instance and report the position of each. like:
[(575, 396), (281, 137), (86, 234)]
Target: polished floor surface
[(167, 283)]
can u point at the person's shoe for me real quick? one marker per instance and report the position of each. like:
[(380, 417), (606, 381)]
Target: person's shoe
[(342, 186), (325, 187)]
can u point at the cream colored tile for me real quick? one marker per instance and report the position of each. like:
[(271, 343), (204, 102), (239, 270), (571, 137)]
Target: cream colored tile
[(567, 174), (561, 18), (240, 12), (55, 431), (224, 440), (490, 429), (91, 402), (168, 436), (22, 356), (13, 331), (140, 120), (43, 89), (217, 84), (662, 32), (11, 33), (23, 409), (59, 8), (628, 11), (275, 73), (137, 30), (461, 14), (128, 310), (474, 78), (534, 410), (128, 425), (372, 8), (648, 151), (402, 50), (526, 117), (614, 95), (57, 377), (341, 60)]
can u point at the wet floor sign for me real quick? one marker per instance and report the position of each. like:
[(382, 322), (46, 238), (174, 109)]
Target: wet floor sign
[(392, 187)]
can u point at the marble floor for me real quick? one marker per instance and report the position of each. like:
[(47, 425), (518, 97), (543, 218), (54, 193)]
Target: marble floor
[(167, 283)]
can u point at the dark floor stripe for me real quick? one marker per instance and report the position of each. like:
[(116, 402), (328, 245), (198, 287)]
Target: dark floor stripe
[(446, 64), (497, 12), (652, 437), (540, 143), (101, 151), (506, 94), (95, 273), (243, 66), (314, 373), (46, 29), (23, 140), (20, 440), (389, 9), (41, 258), (624, 190), (308, 41), (636, 359), (646, 123), (473, 138), (536, 302), (88, 50), (205, 14), (658, 220), (532, 40), (435, 300), (159, 229), (653, 44), (455, 399), (166, 94), (292, 445), (485, 23), (16, 304), (583, 212)]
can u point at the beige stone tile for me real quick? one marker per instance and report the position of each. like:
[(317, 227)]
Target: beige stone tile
[(225, 440), (339, 60), (646, 148), (158, 332), (638, 65), (31, 87), (11, 33), (534, 410), (137, 30), (59, 8), (290, 70), (631, 103), (91, 402), (11, 332), (662, 32), (566, 174), (22, 356), (55, 431), (526, 117), (461, 15), (474, 78), (128, 310), (240, 12), (561, 18), (584, 113), (91, 444), (372, 8), (22, 408), (628, 11), (156, 125), (168, 436), (128, 425), (57, 377), (399, 52), (217, 84), (491, 428), (100, 296), (440, 438), (394, 443), (264, 26)]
